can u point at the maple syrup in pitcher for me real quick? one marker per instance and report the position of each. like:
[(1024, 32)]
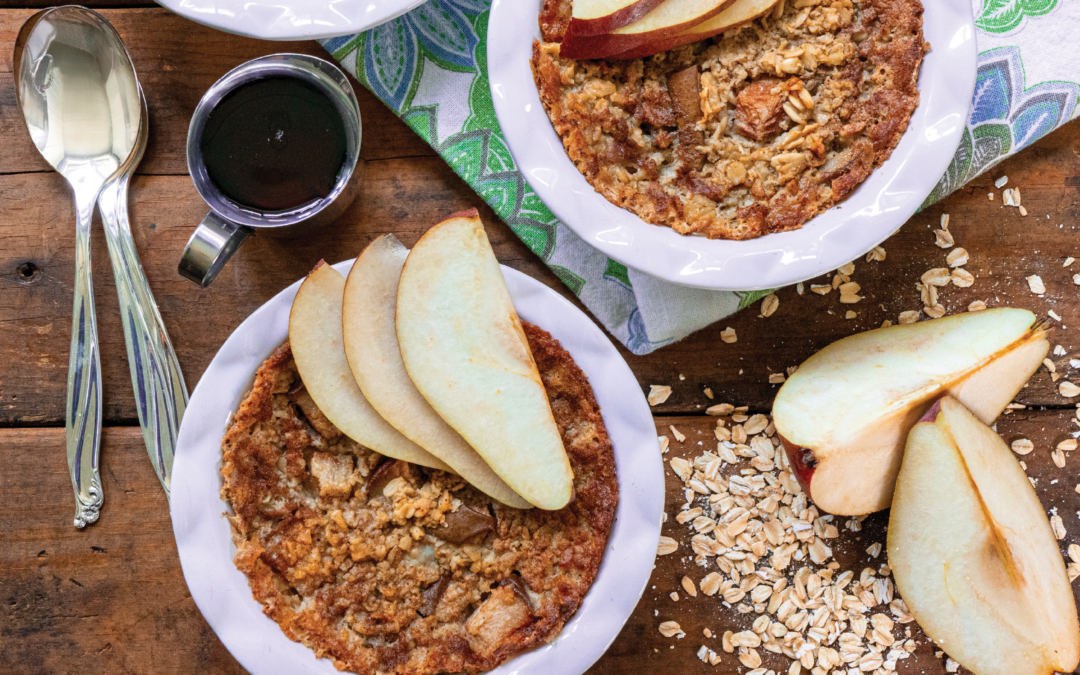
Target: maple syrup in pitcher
[(274, 144)]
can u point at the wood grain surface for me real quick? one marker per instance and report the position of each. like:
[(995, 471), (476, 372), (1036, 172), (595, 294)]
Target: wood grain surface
[(112, 599)]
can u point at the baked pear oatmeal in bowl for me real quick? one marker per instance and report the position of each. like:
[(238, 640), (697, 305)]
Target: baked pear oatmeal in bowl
[(755, 131), (307, 552), (387, 567), (823, 124)]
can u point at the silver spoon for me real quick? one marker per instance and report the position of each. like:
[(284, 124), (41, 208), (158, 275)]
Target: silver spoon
[(160, 393), (80, 101)]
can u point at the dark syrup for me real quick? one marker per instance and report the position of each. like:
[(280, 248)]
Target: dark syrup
[(274, 144)]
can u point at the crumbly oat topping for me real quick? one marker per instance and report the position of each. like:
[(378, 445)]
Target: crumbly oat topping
[(751, 132), (389, 568)]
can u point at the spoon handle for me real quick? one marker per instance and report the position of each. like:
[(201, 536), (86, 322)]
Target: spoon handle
[(83, 421), (160, 392)]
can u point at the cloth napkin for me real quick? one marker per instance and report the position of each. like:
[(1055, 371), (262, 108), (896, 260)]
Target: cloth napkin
[(430, 67)]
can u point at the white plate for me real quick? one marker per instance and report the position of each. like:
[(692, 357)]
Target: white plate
[(291, 19), (205, 544), (873, 212)]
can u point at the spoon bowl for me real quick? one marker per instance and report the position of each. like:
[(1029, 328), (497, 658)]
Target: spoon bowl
[(77, 90)]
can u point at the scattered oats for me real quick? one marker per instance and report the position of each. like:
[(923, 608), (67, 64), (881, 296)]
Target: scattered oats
[(849, 293), (665, 443), (679, 436), (728, 335), (749, 658), (1068, 261), (1035, 283), (943, 239), (1068, 445), (821, 289), (945, 221), (667, 546), (1059, 350), (720, 409), (658, 393), (951, 666), (874, 550), (977, 306), (957, 257), (703, 654), (671, 629), (1058, 527), (769, 304), (847, 269), (1007, 198), (1016, 195), (756, 424), (1000, 182), (1074, 553), (1068, 389), (1076, 279), (707, 633), (674, 596), (776, 378), (1022, 446), (1023, 211), (711, 583), (876, 254), (1050, 365), (939, 276), (708, 393), (688, 586), (935, 312), (1074, 571), (1059, 458), (961, 278), (850, 315), (910, 316), (990, 195), (1054, 315)]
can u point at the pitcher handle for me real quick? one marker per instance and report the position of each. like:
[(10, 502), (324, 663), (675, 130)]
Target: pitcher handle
[(210, 247)]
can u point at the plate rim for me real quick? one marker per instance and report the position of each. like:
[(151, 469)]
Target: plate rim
[(254, 18), (876, 210), (222, 593)]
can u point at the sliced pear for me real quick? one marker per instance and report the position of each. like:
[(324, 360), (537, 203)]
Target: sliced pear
[(737, 14), (371, 347), (973, 554), (593, 17), (669, 18), (316, 339), (464, 348), (845, 413)]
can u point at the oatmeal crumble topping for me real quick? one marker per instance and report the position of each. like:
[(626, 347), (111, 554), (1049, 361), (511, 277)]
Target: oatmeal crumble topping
[(389, 568), (754, 131)]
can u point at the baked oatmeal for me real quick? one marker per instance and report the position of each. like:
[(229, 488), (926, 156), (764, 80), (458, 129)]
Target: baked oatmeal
[(387, 567), (754, 131)]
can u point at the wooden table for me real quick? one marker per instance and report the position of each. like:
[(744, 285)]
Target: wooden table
[(112, 599)]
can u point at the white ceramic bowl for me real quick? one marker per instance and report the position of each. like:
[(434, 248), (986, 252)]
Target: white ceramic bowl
[(873, 212), (205, 544), (291, 19)]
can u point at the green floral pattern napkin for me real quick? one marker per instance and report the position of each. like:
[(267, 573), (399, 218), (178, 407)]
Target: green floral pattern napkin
[(430, 67)]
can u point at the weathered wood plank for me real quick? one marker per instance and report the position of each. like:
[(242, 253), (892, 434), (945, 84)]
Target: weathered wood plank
[(113, 596), (403, 196), (108, 599), (406, 196), (177, 60)]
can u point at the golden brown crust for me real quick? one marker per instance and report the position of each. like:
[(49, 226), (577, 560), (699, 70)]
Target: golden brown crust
[(795, 112), (354, 555)]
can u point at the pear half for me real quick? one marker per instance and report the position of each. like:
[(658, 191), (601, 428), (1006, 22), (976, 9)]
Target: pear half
[(317, 347), (845, 413), (464, 348), (371, 347), (973, 554)]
